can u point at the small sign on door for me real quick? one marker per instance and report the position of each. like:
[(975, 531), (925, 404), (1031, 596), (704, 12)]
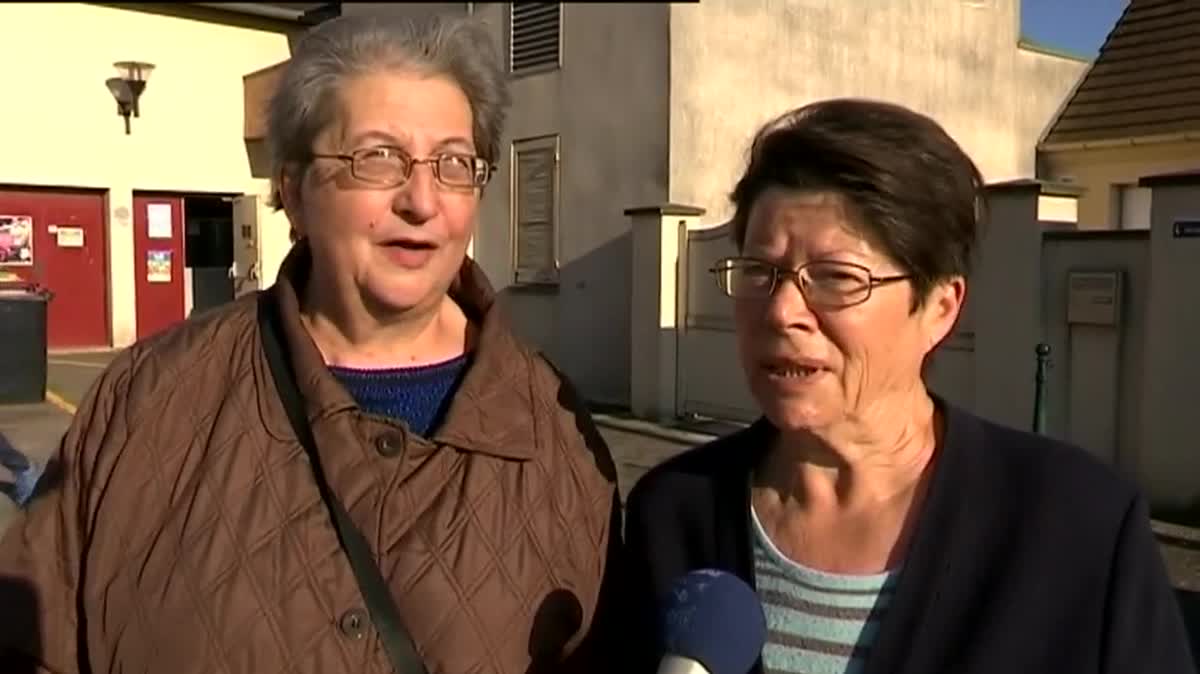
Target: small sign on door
[(68, 237), (158, 221)]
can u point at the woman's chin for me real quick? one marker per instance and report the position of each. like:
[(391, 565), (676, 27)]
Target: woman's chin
[(790, 416), (399, 297)]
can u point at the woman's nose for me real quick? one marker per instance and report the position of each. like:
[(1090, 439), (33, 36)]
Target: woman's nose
[(416, 200), (787, 306)]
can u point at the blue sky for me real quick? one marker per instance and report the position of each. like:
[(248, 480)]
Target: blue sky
[(1078, 26)]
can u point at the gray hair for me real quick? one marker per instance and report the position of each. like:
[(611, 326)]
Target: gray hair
[(304, 103)]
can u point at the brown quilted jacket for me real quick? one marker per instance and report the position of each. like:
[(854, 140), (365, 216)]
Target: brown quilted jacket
[(187, 533)]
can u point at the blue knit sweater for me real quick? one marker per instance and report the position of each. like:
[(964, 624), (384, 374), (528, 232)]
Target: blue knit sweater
[(418, 396)]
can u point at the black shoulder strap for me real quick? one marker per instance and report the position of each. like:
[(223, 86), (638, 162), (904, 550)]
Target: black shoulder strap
[(395, 638)]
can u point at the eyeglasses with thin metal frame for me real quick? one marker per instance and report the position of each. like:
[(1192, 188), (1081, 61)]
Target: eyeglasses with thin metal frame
[(388, 166), (827, 284)]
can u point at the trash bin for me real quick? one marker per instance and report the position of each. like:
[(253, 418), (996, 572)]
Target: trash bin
[(23, 343)]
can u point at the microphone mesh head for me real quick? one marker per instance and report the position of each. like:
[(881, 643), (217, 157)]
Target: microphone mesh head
[(716, 619)]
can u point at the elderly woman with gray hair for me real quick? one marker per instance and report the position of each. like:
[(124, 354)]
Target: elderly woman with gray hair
[(359, 469)]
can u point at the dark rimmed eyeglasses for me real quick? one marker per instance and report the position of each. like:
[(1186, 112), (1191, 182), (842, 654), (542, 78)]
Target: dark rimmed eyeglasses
[(828, 284), (387, 166)]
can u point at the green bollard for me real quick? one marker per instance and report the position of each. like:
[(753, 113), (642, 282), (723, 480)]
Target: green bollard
[(1039, 391)]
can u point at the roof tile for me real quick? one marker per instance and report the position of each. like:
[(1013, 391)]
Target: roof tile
[(1145, 81)]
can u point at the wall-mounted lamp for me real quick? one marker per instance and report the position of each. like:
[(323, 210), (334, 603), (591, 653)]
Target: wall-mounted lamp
[(128, 88)]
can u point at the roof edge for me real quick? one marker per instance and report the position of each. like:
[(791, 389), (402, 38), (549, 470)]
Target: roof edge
[(1069, 99), (1031, 45), (208, 13), (255, 9), (1130, 141), (1050, 188)]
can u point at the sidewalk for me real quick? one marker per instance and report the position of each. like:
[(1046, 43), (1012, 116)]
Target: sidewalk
[(638, 446)]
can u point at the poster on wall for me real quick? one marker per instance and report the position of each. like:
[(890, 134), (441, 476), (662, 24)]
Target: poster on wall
[(158, 221), (16, 240), (158, 266)]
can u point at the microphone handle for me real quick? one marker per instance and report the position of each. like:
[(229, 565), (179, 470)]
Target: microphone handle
[(674, 664)]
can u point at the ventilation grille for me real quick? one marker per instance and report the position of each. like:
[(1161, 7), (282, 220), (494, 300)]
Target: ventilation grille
[(535, 36)]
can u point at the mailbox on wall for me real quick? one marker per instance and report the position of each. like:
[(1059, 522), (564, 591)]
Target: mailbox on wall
[(1094, 297)]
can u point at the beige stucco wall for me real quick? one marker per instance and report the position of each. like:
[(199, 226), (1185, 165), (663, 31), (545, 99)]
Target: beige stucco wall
[(656, 102), (1094, 390), (608, 104), (62, 128), (1042, 83), (1169, 462), (737, 63), (1098, 170)]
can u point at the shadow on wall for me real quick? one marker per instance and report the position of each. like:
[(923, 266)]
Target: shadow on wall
[(257, 158), (581, 324)]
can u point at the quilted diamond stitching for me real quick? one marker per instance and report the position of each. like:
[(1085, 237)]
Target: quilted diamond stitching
[(203, 612), (305, 507), (401, 510)]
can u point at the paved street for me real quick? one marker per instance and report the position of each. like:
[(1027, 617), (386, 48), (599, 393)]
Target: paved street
[(35, 430), (70, 375)]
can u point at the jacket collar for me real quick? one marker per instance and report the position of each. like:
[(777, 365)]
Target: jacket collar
[(494, 410)]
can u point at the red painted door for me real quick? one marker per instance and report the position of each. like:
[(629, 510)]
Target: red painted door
[(157, 262), (69, 256)]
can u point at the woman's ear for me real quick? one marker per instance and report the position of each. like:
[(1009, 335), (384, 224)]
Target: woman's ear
[(288, 189), (942, 310)]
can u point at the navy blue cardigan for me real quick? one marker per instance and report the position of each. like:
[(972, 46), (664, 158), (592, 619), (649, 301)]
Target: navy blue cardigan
[(1029, 557)]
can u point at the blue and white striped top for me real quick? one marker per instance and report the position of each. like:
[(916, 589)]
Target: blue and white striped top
[(817, 622)]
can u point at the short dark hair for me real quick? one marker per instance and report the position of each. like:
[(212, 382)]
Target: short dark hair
[(919, 195)]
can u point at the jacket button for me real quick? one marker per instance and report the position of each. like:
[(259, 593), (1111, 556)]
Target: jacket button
[(389, 445), (354, 623)]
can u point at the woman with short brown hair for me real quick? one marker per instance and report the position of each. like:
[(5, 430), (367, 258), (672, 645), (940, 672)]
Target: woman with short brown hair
[(886, 530)]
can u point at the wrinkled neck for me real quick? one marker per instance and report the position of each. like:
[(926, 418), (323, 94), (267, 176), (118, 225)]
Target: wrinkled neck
[(869, 460), (350, 332)]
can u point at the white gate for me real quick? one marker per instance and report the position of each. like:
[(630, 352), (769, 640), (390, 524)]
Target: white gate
[(710, 382)]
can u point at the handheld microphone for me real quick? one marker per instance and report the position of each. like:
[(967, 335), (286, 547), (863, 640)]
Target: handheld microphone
[(713, 623)]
